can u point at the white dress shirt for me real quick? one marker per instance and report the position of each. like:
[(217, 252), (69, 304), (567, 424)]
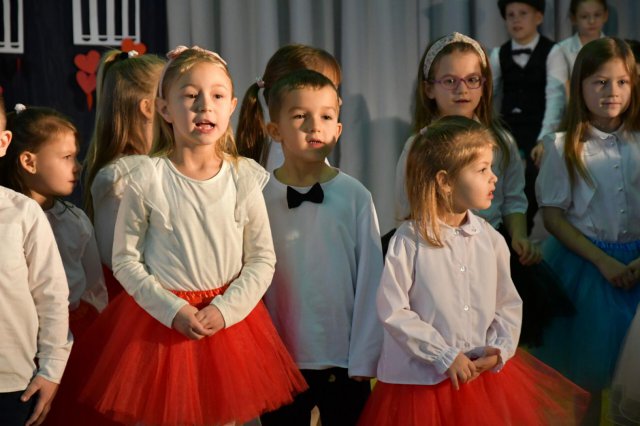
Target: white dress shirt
[(178, 233), (559, 67), (34, 306), (322, 299), (508, 197), (437, 302), (79, 252), (106, 191), (607, 210)]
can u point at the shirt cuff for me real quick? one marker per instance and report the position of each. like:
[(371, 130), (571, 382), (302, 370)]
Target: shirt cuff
[(446, 358), (52, 369), (225, 311)]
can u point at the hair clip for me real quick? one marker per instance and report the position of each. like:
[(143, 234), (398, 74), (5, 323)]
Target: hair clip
[(260, 82), (423, 131), (19, 108), (132, 53)]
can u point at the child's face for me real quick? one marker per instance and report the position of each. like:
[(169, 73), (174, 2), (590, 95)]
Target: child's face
[(522, 21), (473, 189), (307, 126), (589, 19), (461, 100), (199, 105), (607, 94), (54, 170)]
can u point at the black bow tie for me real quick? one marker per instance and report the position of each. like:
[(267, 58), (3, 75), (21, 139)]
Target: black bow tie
[(527, 51), (294, 198)]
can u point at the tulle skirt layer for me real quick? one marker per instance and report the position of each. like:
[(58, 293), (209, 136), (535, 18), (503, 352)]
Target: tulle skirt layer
[(146, 373), (525, 392), (625, 390), (585, 346)]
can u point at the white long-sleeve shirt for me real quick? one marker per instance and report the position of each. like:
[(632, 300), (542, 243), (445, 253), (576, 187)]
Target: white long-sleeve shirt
[(106, 191), (508, 197), (34, 306), (178, 233), (322, 299), (436, 302), (607, 210), (79, 252)]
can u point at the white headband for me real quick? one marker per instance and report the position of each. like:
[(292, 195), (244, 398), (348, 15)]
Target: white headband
[(446, 40), (173, 54)]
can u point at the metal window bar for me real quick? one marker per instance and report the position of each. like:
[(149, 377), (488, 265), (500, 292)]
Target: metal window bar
[(96, 22), (12, 34)]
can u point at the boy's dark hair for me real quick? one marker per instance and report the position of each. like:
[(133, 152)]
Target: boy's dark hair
[(635, 48), (300, 79), (536, 4)]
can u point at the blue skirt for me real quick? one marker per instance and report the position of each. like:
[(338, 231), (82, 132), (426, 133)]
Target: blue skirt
[(585, 346)]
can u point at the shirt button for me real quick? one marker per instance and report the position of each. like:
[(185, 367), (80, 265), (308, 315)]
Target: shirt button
[(616, 166), (463, 268), (466, 307), (620, 189), (456, 232), (621, 210)]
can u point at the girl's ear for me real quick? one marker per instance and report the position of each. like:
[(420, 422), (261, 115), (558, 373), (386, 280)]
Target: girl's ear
[(163, 109), (5, 140), (428, 89), (234, 104), (28, 162), (274, 131), (444, 182), (146, 108)]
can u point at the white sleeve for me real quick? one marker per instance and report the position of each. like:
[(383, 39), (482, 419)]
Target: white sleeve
[(515, 200), (401, 198), (555, 91), (553, 186), (365, 343), (50, 292), (417, 337), (129, 268), (259, 261), (106, 192), (96, 290), (504, 331), (496, 71)]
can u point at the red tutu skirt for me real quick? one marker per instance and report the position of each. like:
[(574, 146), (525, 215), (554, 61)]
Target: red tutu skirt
[(81, 318), (149, 374), (114, 288), (524, 392)]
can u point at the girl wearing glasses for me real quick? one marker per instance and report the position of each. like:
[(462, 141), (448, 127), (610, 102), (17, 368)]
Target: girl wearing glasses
[(454, 78)]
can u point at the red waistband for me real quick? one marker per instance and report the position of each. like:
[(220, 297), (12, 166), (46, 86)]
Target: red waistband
[(194, 297)]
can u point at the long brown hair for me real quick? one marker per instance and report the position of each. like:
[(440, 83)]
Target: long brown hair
[(122, 83), (252, 137), (426, 110), (576, 121), (448, 144)]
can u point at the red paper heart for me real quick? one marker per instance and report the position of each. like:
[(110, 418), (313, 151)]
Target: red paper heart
[(89, 62), (128, 45), (86, 81)]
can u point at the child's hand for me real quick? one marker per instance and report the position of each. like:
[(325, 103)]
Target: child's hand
[(211, 318), (613, 271), (529, 252), (488, 361), (361, 378), (536, 154), (461, 371), (633, 273), (46, 390), (186, 323)]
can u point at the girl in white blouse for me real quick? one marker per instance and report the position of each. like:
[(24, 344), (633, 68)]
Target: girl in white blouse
[(42, 164), (190, 342), (450, 311), (588, 190)]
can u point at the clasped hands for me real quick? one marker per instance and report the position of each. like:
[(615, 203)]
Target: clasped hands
[(464, 370), (197, 323)]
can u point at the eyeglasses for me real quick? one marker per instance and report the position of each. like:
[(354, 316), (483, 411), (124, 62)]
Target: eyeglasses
[(451, 83)]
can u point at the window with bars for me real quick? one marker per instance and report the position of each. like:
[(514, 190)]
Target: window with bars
[(105, 22), (12, 34)]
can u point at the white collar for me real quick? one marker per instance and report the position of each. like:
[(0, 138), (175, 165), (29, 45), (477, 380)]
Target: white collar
[(531, 45)]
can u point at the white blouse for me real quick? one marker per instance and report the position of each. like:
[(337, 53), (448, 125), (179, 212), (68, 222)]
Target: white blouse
[(436, 302), (508, 197), (178, 233), (322, 299), (79, 252), (106, 191), (34, 306), (608, 210)]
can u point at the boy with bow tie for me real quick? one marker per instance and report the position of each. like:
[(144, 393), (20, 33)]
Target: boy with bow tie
[(519, 69), (329, 260)]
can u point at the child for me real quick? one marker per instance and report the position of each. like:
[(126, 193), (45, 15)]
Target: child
[(126, 92), (33, 306), (455, 79), (252, 136), (448, 305), (41, 163), (191, 343), (588, 17), (327, 243), (587, 188), (519, 77)]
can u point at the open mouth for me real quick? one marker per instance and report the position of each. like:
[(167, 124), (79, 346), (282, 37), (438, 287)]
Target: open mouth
[(205, 126), (315, 142)]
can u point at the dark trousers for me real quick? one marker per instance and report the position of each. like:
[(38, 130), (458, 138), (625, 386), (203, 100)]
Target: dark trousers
[(339, 399), (14, 412)]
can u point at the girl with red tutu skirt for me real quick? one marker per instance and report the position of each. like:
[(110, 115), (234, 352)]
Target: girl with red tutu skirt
[(190, 342), (450, 311)]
